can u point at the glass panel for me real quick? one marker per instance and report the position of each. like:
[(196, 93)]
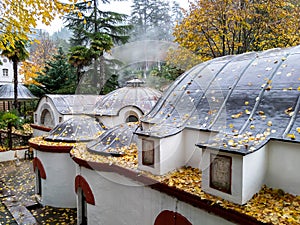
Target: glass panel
[(148, 152)]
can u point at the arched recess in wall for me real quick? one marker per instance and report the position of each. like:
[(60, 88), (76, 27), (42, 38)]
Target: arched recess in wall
[(80, 182), (37, 164), (167, 217), (131, 114), (46, 118)]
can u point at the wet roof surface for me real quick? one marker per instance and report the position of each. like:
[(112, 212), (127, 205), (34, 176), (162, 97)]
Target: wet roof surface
[(134, 94), (79, 128), (112, 140), (244, 97), (74, 104), (7, 93)]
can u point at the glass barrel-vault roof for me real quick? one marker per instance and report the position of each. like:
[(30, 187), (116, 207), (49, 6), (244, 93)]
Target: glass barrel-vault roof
[(74, 104), (7, 93), (254, 93), (112, 140), (76, 129), (133, 94)]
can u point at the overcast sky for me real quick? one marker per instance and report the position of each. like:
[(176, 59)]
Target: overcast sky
[(120, 7)]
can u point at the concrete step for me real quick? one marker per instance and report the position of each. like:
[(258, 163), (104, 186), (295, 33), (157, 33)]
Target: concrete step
[(20, 213)]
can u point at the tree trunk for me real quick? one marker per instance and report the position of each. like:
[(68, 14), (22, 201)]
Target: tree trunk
[(9, 137), (15, 68)]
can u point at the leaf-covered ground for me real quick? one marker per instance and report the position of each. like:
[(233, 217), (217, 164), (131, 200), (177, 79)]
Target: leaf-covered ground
[(17, 183)]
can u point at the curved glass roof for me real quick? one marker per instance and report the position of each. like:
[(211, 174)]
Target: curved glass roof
[(112, 140), (7, 93), (79, 128), (252, 93), (134, 94), (74, 104)]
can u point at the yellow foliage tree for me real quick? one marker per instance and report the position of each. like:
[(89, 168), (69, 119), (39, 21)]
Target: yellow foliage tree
[(213, 28), (41, 51), (17, 18)]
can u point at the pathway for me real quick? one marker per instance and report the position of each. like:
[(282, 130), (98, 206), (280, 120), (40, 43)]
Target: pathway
[(18, 205)]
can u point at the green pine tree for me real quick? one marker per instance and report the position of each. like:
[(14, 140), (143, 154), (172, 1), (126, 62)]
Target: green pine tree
[(58, 77), (94, 32)]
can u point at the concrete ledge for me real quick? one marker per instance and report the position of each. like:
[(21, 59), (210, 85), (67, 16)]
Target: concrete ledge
[(10, 155)]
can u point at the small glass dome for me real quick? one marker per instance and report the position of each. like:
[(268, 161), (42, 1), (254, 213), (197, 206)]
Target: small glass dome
[(112, 140), (134, 94), (79, 128)]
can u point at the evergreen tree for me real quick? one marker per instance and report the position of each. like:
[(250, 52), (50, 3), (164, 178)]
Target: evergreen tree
[(154, 19), (58, 77), (94, 32)]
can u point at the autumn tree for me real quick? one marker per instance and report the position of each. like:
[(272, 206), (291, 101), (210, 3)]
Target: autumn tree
[(16, 53), (17, 18), (216, 28), (94, 32), (57, 77), (40, 52)]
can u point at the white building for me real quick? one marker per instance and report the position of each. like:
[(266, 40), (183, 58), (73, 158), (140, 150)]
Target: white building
[(125, 104), (6, 71), (55, 170), (233, 119), (54, 109)]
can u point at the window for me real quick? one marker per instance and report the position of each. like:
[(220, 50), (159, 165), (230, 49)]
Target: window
[(38, 183), (132, 118), (5, 72), (220, 173), (83, 207), (148, 153)]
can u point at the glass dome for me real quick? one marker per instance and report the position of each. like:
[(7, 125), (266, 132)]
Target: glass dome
[(79, 128), (253, 93), (112, 140), (134, 94)]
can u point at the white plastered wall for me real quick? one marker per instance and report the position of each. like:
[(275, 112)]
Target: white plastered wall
[(254, 173), (169, 154), (9, 66), (59, 185), (46, 104), (120, 200), (236, 176), (193, 154), (124, 113), (283, 170)]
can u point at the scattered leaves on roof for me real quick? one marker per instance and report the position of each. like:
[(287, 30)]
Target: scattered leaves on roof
[(269, 205)]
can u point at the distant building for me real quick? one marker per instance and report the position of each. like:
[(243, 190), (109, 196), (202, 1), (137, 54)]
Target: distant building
[(6, 71)]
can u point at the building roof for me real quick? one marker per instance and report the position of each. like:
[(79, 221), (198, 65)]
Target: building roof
[(250, 96), (7, 93), (133, 94), (74, 104), (114, 139), (79, 128)]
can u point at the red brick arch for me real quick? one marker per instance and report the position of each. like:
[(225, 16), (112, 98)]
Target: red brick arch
[(38, 164), (167, 217), (80, 182)]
